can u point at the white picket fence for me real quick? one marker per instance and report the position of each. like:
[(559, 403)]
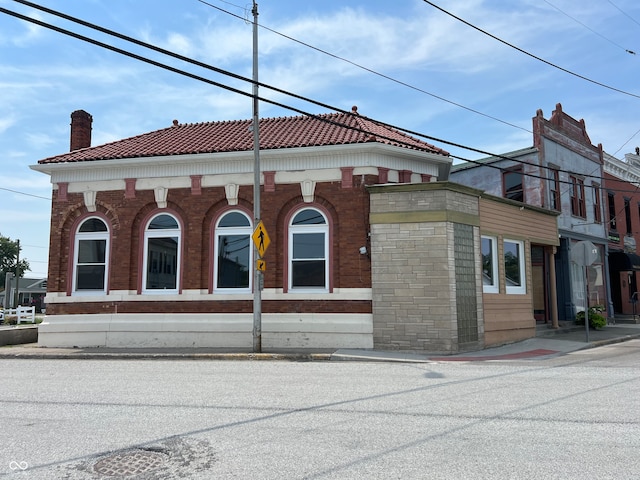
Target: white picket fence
[(24, 314)]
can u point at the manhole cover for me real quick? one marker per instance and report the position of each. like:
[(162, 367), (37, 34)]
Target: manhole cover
[(130, 463)]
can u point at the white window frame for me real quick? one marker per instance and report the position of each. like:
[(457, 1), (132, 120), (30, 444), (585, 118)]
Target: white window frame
[(161, 233), (84, 236), (224, 231), (306, 229), (522, 288), (495, 286)]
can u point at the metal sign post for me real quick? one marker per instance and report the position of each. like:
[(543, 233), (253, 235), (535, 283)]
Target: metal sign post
[(257, 274), (584, 254)]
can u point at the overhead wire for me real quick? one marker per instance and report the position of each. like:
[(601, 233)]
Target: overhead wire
[(589, 28), (235, 90), (369, 70), (403, 83), (239, 77), (24, 193), (521, 50), (621, 11), (137, 57), (539, 58)]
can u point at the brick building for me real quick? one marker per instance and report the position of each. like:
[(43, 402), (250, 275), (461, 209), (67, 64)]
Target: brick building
[(150, 235), (623, 225), (371, 246)]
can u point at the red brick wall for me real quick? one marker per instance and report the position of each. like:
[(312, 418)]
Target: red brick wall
[(348, 208)]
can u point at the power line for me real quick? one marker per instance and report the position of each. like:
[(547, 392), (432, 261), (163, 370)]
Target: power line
[(582, 77), (234, 90), (23, 193), (209, 67), (369, 70), (233, 75), (589, 28), (199, 64), (621, 11), (631, 138)]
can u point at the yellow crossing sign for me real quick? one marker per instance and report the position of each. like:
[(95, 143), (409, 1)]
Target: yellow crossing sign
[(261, 238), (261, 265)]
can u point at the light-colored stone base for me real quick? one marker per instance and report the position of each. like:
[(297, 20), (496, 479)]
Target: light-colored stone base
[(279, 331)]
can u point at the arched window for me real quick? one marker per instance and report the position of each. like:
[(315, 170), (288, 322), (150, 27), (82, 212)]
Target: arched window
[(162, 239), (91, 257), (309, 251), (233, 258)]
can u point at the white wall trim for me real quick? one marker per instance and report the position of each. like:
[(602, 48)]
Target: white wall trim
[(338, 294)]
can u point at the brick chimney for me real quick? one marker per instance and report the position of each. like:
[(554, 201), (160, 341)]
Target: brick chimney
[(80, 130)]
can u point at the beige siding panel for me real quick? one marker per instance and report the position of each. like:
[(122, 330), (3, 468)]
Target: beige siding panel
[(509, 220), (507, 318)]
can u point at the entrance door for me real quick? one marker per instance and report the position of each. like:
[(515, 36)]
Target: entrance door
[(539, 284)]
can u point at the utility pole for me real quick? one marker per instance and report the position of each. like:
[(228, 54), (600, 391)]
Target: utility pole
[(7, 290), (17, 295), (257, 274)]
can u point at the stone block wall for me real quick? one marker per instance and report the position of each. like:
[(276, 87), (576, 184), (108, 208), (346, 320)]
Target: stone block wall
[(427, 291)]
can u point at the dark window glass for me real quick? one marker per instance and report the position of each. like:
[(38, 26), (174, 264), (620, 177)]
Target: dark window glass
[(611, 198), (513, 185), (233, 261), (162, 222), (487, 262), (308, 217), (162, 258), (512, 264), (234, 219), (92, 251), (308, 262), (93, 225)]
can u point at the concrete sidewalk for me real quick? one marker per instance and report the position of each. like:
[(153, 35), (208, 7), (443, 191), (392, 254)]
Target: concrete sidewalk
[(547, 344)]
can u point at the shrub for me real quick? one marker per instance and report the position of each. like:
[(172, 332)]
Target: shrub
[(596, 319)]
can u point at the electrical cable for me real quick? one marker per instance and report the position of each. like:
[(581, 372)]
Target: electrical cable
[(23, 193), (234, 90), (236, 76), (589, 28), (582, 77), (208, 67), (369, 70), (202, 65), (619, 9)]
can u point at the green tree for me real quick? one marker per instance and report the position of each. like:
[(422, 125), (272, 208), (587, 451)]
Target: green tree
[(9, 251)]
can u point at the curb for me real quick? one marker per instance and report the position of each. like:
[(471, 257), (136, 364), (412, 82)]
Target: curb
[(291, 357), (610, 341)]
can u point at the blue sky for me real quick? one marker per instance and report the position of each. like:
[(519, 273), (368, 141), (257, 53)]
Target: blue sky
[(411, 52)]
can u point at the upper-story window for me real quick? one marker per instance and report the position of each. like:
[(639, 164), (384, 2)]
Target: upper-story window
[(232, 244), (627, 215), (611, 200), (489, 265), (91, 256), (162, 239), (513, 185), (554, 189), (308, 260), (578, 205), (597, 206)]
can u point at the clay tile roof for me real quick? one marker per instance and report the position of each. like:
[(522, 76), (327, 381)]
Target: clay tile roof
[(236, 136)]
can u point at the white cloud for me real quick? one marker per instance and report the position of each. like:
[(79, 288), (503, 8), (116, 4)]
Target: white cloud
[(6, 123), (179, 43)]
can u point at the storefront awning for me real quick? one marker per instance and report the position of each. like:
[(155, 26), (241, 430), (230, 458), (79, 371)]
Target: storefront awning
[(624, 262)]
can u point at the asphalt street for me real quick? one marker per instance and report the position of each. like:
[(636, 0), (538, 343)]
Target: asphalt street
[(573, 416)]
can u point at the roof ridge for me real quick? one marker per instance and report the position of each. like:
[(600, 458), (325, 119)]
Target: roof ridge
[(331, 128)]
